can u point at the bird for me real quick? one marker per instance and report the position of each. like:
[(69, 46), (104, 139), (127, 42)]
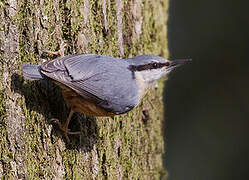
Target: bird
[(100, 85)]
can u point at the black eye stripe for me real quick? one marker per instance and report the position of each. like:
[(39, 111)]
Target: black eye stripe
[(154, 65), (167, 63)]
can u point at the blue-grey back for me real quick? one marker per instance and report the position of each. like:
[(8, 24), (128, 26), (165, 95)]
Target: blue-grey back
[(104, 80)]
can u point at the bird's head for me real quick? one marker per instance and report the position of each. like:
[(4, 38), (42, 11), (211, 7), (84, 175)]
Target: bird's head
[(151, 68)]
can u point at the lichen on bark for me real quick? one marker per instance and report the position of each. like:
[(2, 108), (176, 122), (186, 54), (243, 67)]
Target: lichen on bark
[(123, 147)]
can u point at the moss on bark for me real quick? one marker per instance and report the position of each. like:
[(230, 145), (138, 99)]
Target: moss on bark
[(123, 147)]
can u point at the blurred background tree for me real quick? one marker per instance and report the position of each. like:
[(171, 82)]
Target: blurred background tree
[(207, 101)]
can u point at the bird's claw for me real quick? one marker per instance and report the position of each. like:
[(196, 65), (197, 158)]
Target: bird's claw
[(63, 129), (60, 52)]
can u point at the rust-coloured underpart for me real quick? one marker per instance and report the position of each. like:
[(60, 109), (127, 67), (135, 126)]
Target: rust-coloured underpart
[(64, 127)]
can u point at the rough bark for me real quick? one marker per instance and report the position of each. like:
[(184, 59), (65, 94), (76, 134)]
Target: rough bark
[(124, 147)]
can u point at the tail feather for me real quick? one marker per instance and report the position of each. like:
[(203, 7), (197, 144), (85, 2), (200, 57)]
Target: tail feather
[(32, 72)]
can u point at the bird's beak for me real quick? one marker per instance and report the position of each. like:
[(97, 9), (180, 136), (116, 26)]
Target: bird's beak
[(178, 62)]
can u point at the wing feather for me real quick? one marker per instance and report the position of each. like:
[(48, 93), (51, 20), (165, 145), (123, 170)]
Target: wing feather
[(99, 79)]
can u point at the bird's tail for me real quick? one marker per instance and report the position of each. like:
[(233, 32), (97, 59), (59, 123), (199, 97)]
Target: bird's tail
[(32, 72)]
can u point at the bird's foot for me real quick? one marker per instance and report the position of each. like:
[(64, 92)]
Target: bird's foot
[(64, 129), (60, 52), (145, 115)]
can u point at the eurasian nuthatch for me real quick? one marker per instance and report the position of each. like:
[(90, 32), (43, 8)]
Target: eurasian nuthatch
[(102, 85)]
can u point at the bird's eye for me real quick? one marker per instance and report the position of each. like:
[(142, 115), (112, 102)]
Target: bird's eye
[(155, 65)]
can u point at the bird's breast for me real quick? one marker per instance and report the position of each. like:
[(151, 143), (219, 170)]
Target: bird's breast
[(143, 87), (80, 104)]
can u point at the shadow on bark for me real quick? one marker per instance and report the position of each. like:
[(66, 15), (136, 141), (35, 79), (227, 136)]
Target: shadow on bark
[(45, 98)]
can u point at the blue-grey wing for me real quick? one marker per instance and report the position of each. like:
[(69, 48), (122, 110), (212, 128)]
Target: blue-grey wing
[(103, 80)]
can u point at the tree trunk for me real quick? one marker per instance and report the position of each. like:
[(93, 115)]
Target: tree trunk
[(123, 147)]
